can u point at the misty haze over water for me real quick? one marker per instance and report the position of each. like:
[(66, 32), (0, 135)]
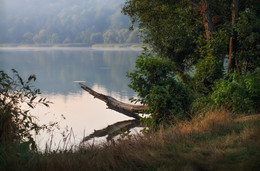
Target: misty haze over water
[(64, 22)]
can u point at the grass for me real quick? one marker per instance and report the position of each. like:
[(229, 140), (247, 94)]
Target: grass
[(216, 141)]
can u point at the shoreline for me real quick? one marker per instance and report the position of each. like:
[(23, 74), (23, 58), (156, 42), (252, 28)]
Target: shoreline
[(134, 47)]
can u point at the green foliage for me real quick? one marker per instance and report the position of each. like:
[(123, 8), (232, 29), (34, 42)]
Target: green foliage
[(238, 93), (195, 39), (248, 36), (201, 104), (177, 30), (16, 98), (167, 28), (210, 67), (158, 88)]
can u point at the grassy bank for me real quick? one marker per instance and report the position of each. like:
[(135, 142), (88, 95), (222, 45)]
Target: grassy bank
[(216, 141)]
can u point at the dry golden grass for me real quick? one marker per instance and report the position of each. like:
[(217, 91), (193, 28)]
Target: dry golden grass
[(213, 122), (214, 141)]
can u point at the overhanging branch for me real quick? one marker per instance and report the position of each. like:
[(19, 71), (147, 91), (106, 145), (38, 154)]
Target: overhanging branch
[(124, 108)]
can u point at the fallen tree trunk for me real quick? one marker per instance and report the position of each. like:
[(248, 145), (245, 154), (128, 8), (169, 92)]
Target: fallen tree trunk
[(124, 108)]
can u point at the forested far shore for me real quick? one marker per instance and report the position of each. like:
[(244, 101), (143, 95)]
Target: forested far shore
[(65, 22)]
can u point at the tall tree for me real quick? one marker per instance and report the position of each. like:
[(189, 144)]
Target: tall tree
[(173, 28), (167, 28), (191, 39), (207, 18)]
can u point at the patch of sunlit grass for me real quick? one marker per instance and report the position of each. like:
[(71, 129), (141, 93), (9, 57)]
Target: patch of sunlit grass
[(203, 142), (217, 122)]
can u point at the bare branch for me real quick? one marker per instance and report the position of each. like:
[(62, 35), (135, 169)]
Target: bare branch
[(124, 108)]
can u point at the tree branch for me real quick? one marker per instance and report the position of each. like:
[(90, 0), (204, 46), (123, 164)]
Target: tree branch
[(124, 108)]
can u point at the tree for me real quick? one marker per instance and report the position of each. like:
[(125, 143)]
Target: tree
[(197, 36), (54, 38), (122, 35), (28, 37), (41, 37), (166, 28), (172, 28), (76, 20), (157, 87), (109, 36), (133, 37), (96, 38)]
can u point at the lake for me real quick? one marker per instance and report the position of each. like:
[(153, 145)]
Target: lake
[(59, 71)]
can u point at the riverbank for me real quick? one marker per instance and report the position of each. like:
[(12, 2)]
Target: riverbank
[(73, 47), (82, 45), (216, 141)]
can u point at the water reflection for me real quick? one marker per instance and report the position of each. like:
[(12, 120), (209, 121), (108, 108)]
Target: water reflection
[(83, 114), (58, 69), (58, 72)]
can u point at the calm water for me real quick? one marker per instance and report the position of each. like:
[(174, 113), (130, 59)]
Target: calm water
[(58, 71)]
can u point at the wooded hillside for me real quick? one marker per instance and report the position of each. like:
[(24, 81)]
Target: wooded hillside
[(62, 21)]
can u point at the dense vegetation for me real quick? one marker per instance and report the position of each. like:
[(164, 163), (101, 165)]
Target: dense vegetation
[(64, 22), (17, 125), (206, 54)]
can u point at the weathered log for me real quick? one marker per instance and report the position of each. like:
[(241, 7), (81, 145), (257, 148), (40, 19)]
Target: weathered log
[(124, 108), (113, 130)]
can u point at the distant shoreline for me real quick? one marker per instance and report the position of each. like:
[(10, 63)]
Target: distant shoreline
[(78, 46)]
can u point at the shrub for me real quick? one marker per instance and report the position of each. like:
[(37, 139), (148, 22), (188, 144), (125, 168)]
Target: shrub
[(238, 93), (16, 122), (157, 87)]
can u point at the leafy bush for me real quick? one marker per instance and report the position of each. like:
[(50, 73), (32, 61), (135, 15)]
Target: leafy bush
[(209, 68), (157, 87), (238, 93), (201, 104), (16, 122)]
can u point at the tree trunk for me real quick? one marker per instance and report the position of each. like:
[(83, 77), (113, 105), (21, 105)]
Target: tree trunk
[(124, 108), (206, 15), (231, 57), (207, 18)]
